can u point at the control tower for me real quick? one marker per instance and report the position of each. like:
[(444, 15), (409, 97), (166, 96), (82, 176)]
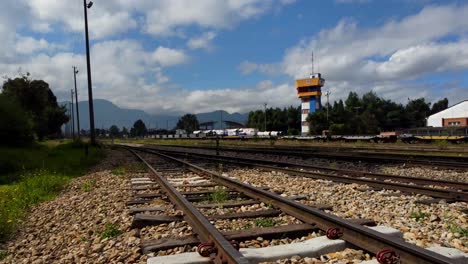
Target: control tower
[(310, 92)]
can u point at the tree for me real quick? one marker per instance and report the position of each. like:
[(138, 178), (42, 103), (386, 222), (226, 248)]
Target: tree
[(114, 131), (416, 112), (317, 122), (439, 106), (38, 100), (124, 131), (188, 122), (16, 125), (138, 129), (294, 120)]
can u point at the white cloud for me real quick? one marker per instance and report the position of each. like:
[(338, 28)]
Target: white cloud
[(202, 42), (165, 17), (232, 100), (169, 57), (352, 58), (105, 18), (247, 67), (28, 45)]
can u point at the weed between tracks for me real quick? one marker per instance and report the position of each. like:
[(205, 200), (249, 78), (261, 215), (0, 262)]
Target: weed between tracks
[(457, 229), (265, 222), (419, 215), (219, 196)]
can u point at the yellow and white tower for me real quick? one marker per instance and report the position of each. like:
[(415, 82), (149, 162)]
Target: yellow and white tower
[(310, 92)]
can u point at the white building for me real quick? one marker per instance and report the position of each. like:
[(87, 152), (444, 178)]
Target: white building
[(456, 115)]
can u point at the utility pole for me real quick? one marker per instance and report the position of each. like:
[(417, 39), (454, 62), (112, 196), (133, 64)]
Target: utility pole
[(68, 132), (72, 115), (88, 64), (75, 71), (264, 106)]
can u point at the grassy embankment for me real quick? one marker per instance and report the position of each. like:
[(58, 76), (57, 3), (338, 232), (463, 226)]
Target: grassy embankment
[(31, 175)]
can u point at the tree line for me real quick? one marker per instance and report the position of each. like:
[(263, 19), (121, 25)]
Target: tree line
[(366, 114), (187, 122), (29, 111)]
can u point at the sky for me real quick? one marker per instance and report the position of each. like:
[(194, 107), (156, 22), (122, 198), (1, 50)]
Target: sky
[(185, 56)]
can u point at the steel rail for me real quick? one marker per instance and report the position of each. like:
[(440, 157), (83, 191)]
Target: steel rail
[(433, 192), (226, 253), (355, 234), (357, 156), (417, 180)]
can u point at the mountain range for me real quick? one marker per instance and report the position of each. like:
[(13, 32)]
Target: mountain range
[(107, 114)]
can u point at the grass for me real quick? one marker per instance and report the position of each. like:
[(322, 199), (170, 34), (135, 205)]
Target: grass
[(265, 222), (67, 158), (219, 195), (457, 229), (419, 215), (38, 174), (110, 231), (16, 199), (87, 185), (119, 171)]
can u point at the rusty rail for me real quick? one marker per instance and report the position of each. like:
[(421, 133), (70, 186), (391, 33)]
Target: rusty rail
[(355, 234), (434, 192), (226, 253)]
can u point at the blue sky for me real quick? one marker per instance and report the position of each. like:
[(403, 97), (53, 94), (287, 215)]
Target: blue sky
[(177, 56)]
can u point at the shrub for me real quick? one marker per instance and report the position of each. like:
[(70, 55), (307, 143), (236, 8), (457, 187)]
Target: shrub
[(16, 124)]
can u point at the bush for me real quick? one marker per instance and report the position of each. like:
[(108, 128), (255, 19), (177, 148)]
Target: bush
[(16, 124)]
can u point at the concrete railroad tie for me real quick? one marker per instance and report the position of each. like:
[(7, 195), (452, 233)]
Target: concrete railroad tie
[(312, 248)]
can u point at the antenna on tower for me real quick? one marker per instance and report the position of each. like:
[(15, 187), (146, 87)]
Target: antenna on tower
[(312, 62)]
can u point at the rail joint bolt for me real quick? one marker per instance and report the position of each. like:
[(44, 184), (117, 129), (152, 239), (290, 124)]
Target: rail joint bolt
[(206, 249), (387, 256), (334, 233)]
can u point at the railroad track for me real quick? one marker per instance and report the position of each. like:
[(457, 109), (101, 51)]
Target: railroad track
[(441, 189), (170, 181), (451, 162)]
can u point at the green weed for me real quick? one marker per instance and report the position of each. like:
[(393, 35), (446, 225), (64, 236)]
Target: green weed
[(219, 195), (17, 198), (67, 159), (119, 171), (442, 144), (3, 254), (269, 205), (110, 231), (87, 185), (457, 229), (37, 174), (265, 222), (419, 215)]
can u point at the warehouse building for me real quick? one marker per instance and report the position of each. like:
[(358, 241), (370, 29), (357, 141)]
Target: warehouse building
[(456, 115)]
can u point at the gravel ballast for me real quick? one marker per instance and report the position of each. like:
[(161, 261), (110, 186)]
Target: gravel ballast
[(87, 223)]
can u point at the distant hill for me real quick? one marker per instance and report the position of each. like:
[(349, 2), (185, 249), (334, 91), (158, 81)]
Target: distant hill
[(107, 114)]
